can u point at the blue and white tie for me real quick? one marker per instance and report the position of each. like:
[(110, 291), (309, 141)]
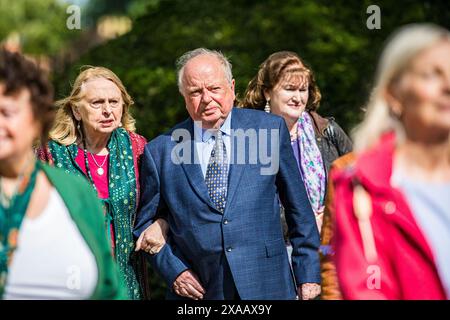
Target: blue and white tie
[(217, 173)]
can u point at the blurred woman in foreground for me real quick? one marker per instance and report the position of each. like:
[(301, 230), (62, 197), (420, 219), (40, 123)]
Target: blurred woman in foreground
[(392, 206)]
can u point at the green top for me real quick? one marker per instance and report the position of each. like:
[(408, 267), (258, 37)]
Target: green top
[(86, 211)]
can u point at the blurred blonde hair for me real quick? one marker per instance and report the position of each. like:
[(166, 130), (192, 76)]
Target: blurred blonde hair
[(65, 130), (402, 47)]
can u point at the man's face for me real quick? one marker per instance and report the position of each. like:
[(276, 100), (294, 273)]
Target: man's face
[(208, 95)]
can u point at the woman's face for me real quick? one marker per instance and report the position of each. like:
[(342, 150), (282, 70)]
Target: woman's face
[(18, 126), (289, 97), (422, 97), (101, 108)]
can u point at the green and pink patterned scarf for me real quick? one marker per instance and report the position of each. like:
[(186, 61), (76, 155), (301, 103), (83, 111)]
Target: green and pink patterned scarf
[(120, 207)]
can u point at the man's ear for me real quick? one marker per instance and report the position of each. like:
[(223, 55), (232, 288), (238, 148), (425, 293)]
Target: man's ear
[(232, 88)]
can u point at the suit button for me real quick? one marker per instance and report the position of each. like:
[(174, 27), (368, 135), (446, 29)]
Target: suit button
[(229, 249), (225, 221)]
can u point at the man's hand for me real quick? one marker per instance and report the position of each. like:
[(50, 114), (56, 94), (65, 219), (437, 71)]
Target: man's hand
[(188, 285), (153, 238), (308, 291)]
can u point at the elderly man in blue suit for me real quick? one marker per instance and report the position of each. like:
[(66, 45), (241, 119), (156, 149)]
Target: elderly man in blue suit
[(221, 197)]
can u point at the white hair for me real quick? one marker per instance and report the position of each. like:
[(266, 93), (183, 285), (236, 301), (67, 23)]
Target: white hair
[(402, 47), (186, 57)]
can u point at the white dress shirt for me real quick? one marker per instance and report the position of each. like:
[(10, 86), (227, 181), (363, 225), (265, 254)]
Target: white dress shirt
[(204, 142)]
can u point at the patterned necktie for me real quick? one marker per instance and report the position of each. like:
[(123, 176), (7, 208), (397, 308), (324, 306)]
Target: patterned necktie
[(217, 173)]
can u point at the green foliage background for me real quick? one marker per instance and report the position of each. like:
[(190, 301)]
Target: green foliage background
[(331, 36), (41, 24)]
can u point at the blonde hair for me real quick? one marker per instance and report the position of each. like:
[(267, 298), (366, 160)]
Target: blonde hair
[(402, 47), (64, 130)]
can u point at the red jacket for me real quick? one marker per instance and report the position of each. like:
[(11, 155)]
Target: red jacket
[(403, 267)]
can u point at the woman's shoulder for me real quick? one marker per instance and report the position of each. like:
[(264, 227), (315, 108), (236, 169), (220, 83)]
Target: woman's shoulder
[(138, 142), (78, 195), (68, 183), (136, 137), (343, 174), (370, 169), (43, 153), (46, 152)]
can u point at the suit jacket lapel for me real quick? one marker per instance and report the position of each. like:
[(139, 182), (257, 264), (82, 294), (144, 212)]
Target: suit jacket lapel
[(236, 170), (193, 170)]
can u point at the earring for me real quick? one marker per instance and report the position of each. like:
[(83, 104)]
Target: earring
[(78, 126), (396, 111), (120, 124), (267, 106)]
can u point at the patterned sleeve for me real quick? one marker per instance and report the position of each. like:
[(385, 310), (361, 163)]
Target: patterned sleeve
[(43, 153), (138, 143)]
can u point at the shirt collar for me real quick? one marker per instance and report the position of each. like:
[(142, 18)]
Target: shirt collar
[(205, 134)]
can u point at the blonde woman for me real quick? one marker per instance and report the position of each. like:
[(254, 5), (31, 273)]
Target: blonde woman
[(392, 206), (94, 137), (50, 222)]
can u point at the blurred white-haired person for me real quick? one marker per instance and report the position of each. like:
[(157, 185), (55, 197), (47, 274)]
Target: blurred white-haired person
[(392, 235)]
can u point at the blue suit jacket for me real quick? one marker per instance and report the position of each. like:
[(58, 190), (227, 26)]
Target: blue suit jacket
[(248, 234)]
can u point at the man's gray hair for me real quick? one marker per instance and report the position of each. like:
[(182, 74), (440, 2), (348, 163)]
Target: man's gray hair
[(186, 57)]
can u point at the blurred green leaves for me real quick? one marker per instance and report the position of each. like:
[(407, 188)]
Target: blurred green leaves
[(40, 25), (331, 37)]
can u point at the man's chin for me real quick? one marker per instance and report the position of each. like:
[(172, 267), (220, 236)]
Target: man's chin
[(210, 121)]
